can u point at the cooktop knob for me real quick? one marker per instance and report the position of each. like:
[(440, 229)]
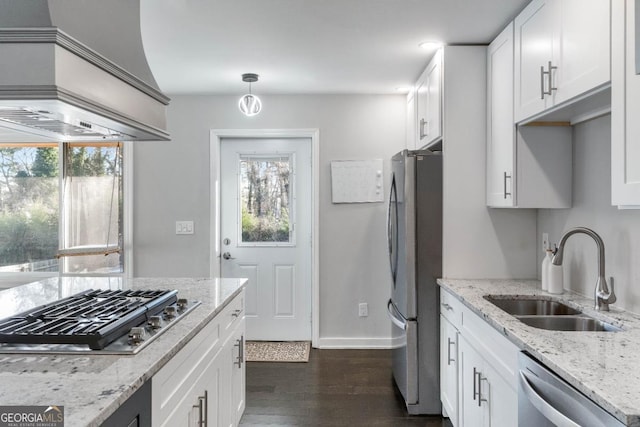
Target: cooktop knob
[(182, 303), (155, 322), (136, 335), (170, 311)]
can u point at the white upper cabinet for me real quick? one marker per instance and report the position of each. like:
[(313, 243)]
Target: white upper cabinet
[(625, 107), (562, 52), (528, 166), (583, 47), (500, 127), (411, 121), (533, 52), (429, 102)]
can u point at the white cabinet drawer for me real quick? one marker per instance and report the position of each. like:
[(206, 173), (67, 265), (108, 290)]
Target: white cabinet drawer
[(451, 308)]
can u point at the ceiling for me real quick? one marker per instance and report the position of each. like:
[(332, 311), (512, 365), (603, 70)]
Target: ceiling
[(307, 46)]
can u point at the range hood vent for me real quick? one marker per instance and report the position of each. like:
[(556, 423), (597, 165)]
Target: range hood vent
[(65, 78)]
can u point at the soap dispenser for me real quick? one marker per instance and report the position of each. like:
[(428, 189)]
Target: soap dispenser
[(544, 274)]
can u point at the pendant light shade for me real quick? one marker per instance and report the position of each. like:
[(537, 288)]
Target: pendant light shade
[(249, 104)]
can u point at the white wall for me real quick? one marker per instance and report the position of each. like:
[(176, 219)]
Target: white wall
[(172, 183), (620, 229)]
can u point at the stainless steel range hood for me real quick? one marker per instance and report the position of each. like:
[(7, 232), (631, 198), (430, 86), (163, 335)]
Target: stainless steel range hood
[(75, 70)]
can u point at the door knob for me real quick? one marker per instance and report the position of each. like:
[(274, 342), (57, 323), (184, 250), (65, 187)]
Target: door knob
[(227, 255)]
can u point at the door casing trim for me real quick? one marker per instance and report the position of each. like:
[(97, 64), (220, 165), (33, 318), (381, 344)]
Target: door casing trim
[(215, 138)]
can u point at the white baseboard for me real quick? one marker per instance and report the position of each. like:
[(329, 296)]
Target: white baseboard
[(356, 343)]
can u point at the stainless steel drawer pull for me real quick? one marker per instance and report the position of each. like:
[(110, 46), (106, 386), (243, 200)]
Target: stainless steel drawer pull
[(449, 359), (447, 306), (236, 313)]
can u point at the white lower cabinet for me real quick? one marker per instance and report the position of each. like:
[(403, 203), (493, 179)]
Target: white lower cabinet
[(487, 399), (478, 369), (449, 370), (204, 383)]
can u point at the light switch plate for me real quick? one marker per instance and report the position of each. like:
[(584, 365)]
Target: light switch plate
[(184, 227)]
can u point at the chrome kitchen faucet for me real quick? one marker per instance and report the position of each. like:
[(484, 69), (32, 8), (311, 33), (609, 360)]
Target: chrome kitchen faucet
[(603, 297)]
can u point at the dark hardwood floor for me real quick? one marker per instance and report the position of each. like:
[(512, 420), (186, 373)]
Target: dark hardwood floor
[(335, 388)]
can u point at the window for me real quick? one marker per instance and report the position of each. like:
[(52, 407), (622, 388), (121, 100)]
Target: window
[(58, 200), (265, 184)]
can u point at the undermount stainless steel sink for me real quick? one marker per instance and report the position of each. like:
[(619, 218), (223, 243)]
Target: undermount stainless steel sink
[(532, 306), (568, 323), (549, 314)]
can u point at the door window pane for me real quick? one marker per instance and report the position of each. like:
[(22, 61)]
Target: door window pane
[(28, 207), (265, 185)]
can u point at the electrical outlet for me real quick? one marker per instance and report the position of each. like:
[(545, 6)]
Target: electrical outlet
[(363, 309), (184, 227), (545, 242)]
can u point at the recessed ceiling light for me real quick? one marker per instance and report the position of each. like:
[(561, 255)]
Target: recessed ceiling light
[(431, 44)]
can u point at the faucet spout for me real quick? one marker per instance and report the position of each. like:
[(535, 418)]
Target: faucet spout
[(603, 296)]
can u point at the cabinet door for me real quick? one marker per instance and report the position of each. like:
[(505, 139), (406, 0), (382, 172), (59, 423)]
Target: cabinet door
[(501, 399), (449, 369), (238, 380), (421, 100), (534, 34), (472, 407), (411, 125), (625, 108), (582, 47), (500, 127), (433, 126)]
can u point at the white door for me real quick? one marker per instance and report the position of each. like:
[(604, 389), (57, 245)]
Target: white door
[(265, 232)]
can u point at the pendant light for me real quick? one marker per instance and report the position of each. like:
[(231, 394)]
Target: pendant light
[(250, 104)]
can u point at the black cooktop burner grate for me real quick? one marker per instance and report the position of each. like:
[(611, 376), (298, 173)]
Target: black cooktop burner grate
[(93, 317)]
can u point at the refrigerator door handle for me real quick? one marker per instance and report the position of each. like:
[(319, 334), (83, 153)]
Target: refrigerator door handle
[(392, 235), (392, 311)]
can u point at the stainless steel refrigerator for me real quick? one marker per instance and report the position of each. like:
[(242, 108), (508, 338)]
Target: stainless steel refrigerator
[(415, 252)]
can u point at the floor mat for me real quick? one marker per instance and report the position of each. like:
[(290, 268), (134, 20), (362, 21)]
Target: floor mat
[(277, 351)]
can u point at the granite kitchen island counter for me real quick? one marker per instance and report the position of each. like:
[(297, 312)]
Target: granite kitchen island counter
[(92, 386), (605, 366)]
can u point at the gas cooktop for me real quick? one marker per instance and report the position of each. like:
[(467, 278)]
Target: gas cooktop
[(94, 321)]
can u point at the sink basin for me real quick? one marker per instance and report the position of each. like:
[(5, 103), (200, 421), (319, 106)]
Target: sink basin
[(532, 306), (568, 323)]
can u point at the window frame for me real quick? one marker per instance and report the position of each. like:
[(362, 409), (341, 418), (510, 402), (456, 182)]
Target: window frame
[(11, 279)]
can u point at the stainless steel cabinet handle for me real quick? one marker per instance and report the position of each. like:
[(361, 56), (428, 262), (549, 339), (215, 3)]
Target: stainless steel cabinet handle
[(542, 72), (240, 345), (203, 409), (449, 359), (549, 80), (475, 386), (423, 123), (236, 313), (446, 306), (504, 179)]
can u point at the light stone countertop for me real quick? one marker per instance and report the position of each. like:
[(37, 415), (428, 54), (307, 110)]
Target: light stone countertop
[(91, 387), (605, 366)]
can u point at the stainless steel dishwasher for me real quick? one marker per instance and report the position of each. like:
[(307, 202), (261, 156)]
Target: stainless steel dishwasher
[(545, 399)]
